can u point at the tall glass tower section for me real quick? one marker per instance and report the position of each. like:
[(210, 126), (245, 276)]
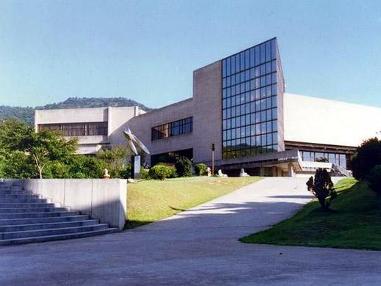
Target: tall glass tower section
[(252, 102)]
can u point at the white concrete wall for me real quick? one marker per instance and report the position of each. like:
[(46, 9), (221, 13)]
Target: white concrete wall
[(317, 120), (72, 115), (103, 199), (141, 127), (207, 121), (204, 107), (116, 118)]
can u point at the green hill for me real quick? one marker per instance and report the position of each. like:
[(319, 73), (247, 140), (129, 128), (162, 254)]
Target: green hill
[(27, 113)]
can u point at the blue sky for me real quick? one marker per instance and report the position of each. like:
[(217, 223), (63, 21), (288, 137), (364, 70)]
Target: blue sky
[(147, 50)]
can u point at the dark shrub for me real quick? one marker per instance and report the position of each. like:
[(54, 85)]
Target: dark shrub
[(125, 172), (366, 157), (322, 188), (201, 169), (161, 172), (183, 167), (374, 179)]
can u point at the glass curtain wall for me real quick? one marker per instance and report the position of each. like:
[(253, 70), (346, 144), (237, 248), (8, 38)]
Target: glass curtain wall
[(249, 101), (77, 129), (334, 158), (175, 128)]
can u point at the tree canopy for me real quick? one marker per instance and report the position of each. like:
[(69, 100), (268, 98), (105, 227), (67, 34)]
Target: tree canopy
[(47, 154)]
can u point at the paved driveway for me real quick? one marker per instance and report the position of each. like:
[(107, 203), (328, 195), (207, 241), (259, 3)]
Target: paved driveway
[(196, 247)]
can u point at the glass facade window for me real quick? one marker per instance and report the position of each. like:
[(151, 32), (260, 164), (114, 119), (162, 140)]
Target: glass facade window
[(334, 158), (249, 101), (175, 128), (77, 129)]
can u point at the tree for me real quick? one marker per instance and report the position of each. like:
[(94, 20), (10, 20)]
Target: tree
[(374, 179), (47, 146), (322, 188), (183, 167), (18, 165), (82, 166), (367, 155), (14, 162), (13, 135), (26, 153), (116, 160)]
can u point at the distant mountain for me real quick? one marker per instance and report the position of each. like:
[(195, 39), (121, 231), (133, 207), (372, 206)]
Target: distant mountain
[(22, 113), (27, 113)]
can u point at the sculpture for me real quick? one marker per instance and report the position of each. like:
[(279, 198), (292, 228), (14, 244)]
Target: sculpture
[(222, 175), (132, 140), (106, 175), (243, 173), (134, 145)]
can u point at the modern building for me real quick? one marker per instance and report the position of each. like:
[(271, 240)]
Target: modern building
[(95, 128), (240, 110)]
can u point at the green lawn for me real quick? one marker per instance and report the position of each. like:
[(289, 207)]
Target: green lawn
[(355, 222), (152, 200)]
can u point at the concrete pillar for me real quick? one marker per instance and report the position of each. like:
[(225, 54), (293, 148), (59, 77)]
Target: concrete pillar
[(275, 171), (262, 171), (291, 172)]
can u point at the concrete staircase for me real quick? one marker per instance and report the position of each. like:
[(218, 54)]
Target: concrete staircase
[(26, 218)]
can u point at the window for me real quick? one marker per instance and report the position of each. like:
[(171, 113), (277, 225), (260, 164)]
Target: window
[(334, 158), (77, 129), (175, 128), (250, 97)]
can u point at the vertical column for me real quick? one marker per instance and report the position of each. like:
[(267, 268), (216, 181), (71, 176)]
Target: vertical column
[(291, 172)]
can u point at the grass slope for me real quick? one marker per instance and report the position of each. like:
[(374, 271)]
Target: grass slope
[(354, 222), (152, 200)]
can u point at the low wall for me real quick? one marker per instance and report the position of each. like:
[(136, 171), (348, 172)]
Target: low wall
[(103, 199)]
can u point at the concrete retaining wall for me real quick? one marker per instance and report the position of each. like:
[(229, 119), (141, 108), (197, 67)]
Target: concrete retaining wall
[(103, 199)]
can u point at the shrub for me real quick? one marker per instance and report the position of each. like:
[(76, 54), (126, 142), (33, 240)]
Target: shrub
[(172, 169), (125, 172), (115, 160), (56, 169), (82, 166), (162, 172), (183, 167), (374, 179), (201, 169), (17, 165), (366, 157), (322, 188), (144, 174)]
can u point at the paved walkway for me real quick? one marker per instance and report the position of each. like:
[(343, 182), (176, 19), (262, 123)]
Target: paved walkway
[(196, 247)]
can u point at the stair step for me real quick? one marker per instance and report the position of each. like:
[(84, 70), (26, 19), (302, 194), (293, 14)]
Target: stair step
[(57, 237), (6, 188), (37, 214), (20, 193), (30, 210), (39, 226), (26, 217), (10, 186), (25, 205), (10, 200), (16, 196), (12, 221), (53, 231)]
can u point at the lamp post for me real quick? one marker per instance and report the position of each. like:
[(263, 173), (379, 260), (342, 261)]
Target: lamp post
[(213, 149)]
